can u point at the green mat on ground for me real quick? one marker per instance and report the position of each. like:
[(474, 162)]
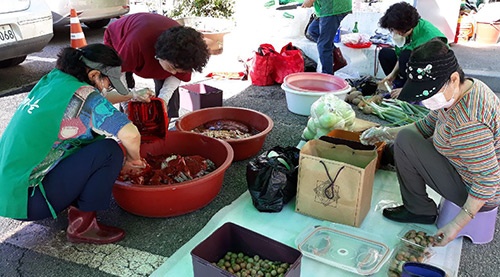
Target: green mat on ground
[(286, 225)]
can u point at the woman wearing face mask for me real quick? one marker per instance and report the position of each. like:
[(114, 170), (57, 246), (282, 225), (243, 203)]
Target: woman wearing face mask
[(455, 149), (54, 154), (408, 32)]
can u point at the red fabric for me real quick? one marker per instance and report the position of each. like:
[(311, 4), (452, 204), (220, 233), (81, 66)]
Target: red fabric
[(134, 37), (289, 61)]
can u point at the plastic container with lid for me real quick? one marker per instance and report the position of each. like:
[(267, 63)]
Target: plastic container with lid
[(416, 237), (404, 254), (352, 250)]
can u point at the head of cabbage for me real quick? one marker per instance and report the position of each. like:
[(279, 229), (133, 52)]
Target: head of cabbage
[(329, 112)]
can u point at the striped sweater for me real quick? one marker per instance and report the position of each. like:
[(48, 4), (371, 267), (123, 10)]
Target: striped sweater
[(468, 134)]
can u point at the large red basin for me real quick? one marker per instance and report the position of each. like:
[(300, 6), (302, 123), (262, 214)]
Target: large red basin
[(182, 198), (243, 148)]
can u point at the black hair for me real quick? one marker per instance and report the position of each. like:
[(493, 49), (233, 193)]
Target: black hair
[(400, 16), (69, 60), (184, 47), (435, 49)]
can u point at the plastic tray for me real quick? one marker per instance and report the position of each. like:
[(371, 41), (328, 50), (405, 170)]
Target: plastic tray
[(358, 45), (343, 250)]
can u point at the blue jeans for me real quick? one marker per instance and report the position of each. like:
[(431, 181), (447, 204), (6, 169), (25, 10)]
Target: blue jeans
[(322, 30)]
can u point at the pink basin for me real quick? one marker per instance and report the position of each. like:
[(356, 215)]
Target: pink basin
[(315, 82)]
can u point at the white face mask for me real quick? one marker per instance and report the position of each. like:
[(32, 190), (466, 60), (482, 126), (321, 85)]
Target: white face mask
[(398, 39), (438, 101), (104, 90)]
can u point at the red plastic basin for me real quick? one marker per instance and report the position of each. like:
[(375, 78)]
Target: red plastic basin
[(243, 148), (182, 198)]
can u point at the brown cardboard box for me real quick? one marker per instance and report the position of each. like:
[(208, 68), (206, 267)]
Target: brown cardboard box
[(335, 182)]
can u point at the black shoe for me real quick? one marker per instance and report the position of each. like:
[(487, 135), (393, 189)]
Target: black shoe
[(401, 214)]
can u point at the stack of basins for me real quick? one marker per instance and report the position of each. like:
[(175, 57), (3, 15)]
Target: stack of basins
[(304, 88)]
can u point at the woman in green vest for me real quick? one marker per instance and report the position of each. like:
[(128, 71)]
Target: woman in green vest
[(54, 153), (408, 31)]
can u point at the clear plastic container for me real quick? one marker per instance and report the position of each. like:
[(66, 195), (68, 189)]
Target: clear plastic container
[(402, 254), (416, 237), (344, 250)]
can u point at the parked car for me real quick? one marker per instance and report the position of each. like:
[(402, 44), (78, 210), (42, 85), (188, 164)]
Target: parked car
[(93, 13), (25, 28)]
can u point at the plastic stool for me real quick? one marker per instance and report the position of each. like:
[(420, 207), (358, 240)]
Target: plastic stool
[(480, 230)]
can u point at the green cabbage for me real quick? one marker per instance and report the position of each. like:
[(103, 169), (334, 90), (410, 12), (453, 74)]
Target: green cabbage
[(328, 113)]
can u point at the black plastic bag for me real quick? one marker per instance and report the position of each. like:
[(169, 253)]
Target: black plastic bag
[(272, 178), (309, 64), (366, 84)]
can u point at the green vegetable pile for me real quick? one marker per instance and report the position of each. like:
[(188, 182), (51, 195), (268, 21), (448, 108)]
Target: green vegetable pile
[(398, 112), (328, 113), (243, 265), (394, 111)]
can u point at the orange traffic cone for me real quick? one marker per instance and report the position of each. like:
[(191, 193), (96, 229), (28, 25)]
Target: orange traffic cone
[(77, 36)]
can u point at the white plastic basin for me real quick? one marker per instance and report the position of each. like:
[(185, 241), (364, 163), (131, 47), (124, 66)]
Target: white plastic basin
[(299, 102)]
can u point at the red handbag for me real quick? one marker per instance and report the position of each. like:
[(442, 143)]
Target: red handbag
[(262, 65), (290, 60)]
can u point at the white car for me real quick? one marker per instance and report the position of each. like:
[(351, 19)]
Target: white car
[(93, 13), (25, 28)]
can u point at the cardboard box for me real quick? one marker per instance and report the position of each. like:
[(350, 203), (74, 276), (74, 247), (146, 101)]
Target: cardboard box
[(234, 238), (335, 182), (354, 136), (198, 96)]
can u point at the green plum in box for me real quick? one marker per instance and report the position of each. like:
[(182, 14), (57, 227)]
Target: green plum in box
[(233, 238), (198, 96)]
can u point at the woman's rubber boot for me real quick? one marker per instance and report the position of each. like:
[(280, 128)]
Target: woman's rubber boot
[(84, 228)]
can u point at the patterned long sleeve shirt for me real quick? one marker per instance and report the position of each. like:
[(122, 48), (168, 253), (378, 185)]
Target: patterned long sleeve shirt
[(468, 135)]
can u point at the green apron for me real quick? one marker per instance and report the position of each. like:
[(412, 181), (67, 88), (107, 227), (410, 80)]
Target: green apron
[(29, 137)]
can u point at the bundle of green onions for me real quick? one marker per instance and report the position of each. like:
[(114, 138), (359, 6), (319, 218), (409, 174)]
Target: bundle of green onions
[(396, 112)]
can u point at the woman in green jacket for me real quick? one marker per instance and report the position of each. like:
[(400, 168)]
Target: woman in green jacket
[(54, 154), (408, 31)]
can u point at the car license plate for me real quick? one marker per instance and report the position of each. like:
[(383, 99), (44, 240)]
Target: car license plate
[(6, 34)]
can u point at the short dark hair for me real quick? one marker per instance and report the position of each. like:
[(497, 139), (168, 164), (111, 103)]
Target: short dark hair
[(435, 49), (400, 16), (69, 60), (184, 47)]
